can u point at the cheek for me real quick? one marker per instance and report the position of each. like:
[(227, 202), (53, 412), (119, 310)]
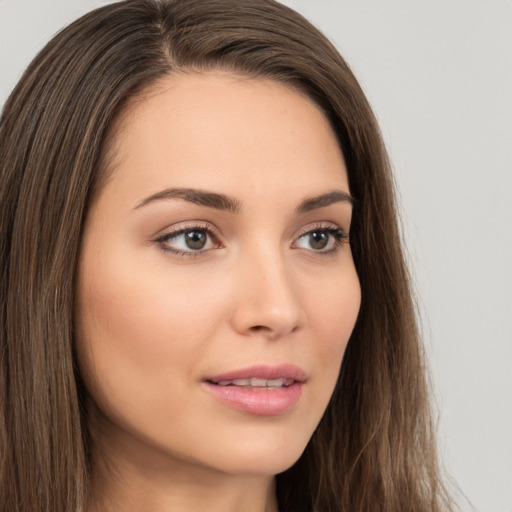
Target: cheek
[(137, 328), (332, 317)]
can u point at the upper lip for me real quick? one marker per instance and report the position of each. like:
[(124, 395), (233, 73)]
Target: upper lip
[(268, 372)]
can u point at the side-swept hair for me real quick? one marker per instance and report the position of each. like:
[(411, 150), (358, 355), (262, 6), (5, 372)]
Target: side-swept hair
[(374, 448)]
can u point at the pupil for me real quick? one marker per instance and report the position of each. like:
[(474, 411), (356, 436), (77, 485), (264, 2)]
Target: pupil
[(319, 240), (195, 239)]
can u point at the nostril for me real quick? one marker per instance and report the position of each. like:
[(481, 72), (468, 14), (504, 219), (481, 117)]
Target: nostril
[(274, 315), (258, 328), (271, 333)]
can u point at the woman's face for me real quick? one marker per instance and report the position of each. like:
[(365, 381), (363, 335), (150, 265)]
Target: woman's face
[(216, 288)]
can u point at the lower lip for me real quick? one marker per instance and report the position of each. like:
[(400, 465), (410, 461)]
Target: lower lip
[(261, 402)]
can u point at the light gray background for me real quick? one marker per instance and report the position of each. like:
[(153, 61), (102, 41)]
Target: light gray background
[(439, 75)]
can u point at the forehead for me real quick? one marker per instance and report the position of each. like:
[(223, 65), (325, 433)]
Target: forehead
[(215, 129)]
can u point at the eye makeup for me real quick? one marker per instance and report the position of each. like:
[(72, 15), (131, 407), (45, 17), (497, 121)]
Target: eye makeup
[(197, 238), (191, 239), (322, 239)]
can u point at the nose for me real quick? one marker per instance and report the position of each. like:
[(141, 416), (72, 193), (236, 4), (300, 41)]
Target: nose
[(267, 302)]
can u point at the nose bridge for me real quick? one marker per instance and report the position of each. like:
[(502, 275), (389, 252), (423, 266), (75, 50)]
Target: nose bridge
[(268, 302)]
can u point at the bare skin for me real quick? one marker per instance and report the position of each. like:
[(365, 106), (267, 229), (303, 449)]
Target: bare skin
[(219, 244)]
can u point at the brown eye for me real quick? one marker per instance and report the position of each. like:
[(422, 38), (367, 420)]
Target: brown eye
[(318, 240), (195, 240), (188, 241), (321, 240)]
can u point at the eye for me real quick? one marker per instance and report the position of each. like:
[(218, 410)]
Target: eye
[(324, 239), (188, 241)]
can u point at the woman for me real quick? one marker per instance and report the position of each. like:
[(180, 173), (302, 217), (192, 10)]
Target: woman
[(198, 230)]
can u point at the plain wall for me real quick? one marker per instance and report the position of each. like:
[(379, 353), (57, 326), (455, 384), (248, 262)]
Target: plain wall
[(439, 75)]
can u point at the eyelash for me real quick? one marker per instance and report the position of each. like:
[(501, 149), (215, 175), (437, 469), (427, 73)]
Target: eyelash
[(339, 235), (163, 240)]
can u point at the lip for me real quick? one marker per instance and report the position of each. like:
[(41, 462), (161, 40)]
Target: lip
[(283, 371), (259, 401)]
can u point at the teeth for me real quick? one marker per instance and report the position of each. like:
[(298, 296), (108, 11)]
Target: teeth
[(276, 383), (257, 383), (241, 382)]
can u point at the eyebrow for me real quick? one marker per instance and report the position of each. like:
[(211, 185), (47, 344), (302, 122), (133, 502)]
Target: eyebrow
[(321, 201), (226, 203), (196, 196)]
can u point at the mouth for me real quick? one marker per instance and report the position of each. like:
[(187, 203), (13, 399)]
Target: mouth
[(259, 390), (261, 376), (257, 383)]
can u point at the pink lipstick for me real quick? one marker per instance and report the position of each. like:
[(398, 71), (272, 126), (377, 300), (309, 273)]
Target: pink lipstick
[(260, 390)]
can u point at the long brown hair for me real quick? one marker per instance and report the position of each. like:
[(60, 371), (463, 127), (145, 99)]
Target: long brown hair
[(374, 448)]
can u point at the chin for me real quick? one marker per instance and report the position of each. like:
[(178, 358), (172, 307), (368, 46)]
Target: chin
[(261, 458)]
